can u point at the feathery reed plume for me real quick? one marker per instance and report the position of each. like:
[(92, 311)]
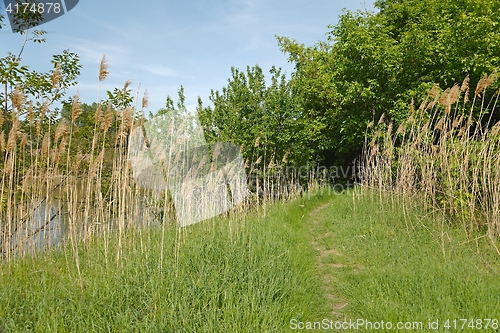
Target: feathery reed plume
[(216, 152), (493, 76), (61, 129), (45, 107), (63, 145), (202, 163), (98, 114), (271, 164), (145, 100), (179, 134), (56, 76), (18, 99), (76, 109), (38, 127), (389, 129), (401, 128), (465, 84), (257, 141), (27, 180), (440, 124), (9, 165), (258, 160), (13, 134), (103, 69), (434, 91), (440, 168), (466, 96), (382, 119), (2, 141), (78, 161), (458, 121), (449, 97), (454, 94), (45, 144), (24, 141), (31, 114), (485, 82), (444, 97), (108, 119), (426, 127), (126, 85), (481, 85), (94, 166), (285, 157), (126, 119), (423, 105)]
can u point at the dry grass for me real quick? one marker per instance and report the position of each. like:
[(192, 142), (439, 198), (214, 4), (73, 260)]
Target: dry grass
[(57, 191), (444, 154)]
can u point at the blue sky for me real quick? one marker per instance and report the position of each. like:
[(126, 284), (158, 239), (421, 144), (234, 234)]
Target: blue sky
[(164, 44)]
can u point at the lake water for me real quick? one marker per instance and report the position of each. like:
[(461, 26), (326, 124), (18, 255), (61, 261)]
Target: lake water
[(42, 230)]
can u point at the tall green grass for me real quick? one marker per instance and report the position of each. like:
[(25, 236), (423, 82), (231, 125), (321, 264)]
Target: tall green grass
[(384, 261), (113, 257), (245, 274), (446, 154)]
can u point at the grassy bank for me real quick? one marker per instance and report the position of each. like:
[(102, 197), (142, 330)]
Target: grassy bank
[(225, 275), (339, 257), (381, 262)]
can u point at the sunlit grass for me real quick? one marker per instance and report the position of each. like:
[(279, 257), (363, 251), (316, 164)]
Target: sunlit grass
[(387, 262), (248, 274)]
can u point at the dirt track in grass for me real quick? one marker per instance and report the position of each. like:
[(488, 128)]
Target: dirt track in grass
[(324, 256)]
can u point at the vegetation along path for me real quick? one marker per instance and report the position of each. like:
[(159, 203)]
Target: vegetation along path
[(330, 256), (381, 261)]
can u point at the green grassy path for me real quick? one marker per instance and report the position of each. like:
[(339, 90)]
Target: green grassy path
[(379, 263), (334, 257), (249, 273)]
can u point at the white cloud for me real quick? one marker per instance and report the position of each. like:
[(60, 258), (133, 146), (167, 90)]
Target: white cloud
[(92, 51), (160, 70)]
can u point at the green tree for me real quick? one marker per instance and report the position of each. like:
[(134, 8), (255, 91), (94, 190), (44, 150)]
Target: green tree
[(44, 89), (376, 63), (247, 109)]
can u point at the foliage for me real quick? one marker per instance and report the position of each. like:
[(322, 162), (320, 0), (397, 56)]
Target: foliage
[(121, 99), (444, 158), (42, 89), (266, 121), (375, 63)]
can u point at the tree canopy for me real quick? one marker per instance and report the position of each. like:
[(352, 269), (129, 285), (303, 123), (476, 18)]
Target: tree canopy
[(265, 119), (377, 62)]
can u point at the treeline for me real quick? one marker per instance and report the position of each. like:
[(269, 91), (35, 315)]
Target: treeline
[(371, 64)]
